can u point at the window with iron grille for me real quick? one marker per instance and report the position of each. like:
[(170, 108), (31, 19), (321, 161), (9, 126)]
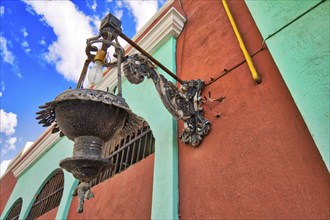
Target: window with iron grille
[(49, 197), (15, 210), (128, 151)]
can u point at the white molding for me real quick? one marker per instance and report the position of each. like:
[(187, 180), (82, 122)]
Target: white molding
[(170, 25), (16, 159), (37, 151), (152, 19)]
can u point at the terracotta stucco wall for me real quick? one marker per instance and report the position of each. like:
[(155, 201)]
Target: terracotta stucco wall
[(124, 196), (7, 184), (49, 215), (259, 160)]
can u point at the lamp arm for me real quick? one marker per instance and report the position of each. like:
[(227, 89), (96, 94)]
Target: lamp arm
[(184, 103)]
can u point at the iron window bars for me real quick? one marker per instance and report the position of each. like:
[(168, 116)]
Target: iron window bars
[(126, 152), (15, 210), (49, 197)]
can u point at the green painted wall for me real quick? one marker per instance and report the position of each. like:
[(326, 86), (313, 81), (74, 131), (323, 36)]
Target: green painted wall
[(33, 179), (302, 54), (143, 99)]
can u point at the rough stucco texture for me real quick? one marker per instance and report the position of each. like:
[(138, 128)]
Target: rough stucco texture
[(49, 215), (7, 184), (259, 160), (302, 54), (124, 196)]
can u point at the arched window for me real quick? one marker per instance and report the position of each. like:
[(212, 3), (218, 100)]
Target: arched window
[(49, 197), (15, 210), (128, 151)]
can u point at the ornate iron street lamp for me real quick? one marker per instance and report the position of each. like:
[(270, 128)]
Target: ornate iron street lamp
[(92, 117)]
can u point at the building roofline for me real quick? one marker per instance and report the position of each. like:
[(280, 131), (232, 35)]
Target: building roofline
[(166, 23)]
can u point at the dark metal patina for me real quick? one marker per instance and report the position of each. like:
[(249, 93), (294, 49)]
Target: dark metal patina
[(89, 118), (184, 103), (92, 117)]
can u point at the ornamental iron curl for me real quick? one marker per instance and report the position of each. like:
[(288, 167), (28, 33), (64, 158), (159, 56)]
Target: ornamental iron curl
[(92, 117), (184, 103)]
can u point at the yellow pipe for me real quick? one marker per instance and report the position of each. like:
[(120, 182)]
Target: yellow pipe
[(253, 70)]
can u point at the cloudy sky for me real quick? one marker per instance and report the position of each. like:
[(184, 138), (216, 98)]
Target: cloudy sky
[(42, 54)]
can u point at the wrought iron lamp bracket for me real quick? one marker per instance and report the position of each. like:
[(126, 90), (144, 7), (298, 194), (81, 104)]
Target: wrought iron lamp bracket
[(92, 117), (105, 45), (184, 103)]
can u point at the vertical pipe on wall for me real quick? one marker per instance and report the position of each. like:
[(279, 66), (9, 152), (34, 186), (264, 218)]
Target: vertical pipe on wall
[(248, 58)]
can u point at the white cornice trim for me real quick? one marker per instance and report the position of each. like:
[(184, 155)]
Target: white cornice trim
[(152, 19), (170, 25), (44, 144)]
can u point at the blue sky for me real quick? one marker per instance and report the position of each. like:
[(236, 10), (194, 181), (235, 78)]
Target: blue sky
[(42, 54)]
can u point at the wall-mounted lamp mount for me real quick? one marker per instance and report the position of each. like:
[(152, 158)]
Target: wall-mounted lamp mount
[(92, 117)]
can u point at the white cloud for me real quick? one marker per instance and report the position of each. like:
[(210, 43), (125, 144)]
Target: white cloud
[(42, 42), (67, 53), (25, 44), (96, 21), (8, 122), (2, 85), (119, 14), (2, 88), (30, 10), (142, 11), (119, 4), (3, 166), (24, 32), (10, 145), (93, 7), (2, 10), (7, 55)]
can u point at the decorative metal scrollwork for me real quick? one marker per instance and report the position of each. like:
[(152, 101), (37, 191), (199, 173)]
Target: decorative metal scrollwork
[(184, 103)]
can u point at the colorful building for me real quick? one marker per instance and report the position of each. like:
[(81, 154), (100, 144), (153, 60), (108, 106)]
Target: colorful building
[(266, 155)]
